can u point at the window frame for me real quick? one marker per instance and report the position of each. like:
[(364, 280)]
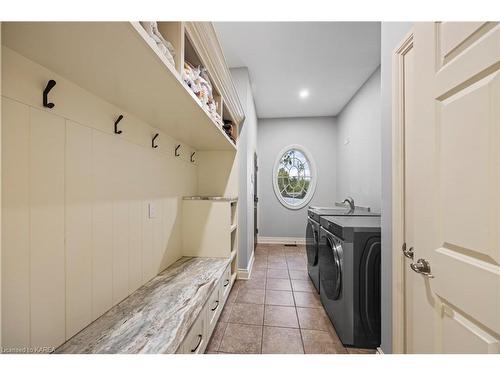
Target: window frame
[(314, 177)]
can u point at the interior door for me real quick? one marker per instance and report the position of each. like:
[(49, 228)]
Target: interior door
[(454, 278)]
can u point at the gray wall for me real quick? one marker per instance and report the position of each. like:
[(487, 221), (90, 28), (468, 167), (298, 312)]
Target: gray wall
[(358, 146), (318, 136), (247, 145), (392, 34)]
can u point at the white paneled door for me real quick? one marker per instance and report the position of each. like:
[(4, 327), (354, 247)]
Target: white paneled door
[(453, 280)]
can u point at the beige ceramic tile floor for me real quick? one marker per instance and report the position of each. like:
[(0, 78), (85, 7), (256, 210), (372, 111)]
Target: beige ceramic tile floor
[(277, 311)]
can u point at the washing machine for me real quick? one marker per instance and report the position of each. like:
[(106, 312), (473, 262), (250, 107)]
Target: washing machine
[(312, 233), (349, 271)]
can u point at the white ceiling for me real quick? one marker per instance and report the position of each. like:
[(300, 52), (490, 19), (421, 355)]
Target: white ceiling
[(330, 59)]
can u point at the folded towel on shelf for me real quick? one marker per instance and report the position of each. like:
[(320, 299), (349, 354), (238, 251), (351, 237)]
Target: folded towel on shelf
[(191, 76), (196, 78), (163, 45)]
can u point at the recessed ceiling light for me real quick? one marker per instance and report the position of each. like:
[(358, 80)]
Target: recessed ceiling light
[(304, 93)]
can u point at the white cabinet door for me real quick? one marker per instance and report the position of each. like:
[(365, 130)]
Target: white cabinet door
[(214, 307), (196, 340), (225, 284)]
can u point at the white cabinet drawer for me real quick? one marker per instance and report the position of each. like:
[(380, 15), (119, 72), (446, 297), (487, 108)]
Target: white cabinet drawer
[(213, 307), (225, 283), (196, 340)]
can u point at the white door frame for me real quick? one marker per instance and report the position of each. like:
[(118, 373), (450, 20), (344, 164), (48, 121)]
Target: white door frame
[(398, 175)]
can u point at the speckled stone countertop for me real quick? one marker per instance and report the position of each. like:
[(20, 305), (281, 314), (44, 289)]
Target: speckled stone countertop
[(156, 317)]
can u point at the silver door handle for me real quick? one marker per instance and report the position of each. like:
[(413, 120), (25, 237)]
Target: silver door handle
[(407, 253), (422, 267)]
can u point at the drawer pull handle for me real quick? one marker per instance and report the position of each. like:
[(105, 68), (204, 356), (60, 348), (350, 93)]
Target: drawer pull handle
[(197, 345), (217, 305), (226, 283)]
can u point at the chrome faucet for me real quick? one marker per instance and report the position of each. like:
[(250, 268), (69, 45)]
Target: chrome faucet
[(350, 200)]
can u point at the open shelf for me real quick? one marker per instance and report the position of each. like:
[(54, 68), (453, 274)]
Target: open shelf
[(234, 217), (118, 62), (226, 117), (191, 57)]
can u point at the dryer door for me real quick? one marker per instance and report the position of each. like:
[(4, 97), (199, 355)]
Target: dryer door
[(312, 234), (331, 268), (338, 258), (369, 290)]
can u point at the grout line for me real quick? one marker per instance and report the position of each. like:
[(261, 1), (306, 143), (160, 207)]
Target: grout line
[(222, 336), (264, 315), (298, 321)]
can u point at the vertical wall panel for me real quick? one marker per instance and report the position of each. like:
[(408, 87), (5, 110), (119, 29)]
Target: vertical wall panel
[(120, 160), (172, 231), (158, 236), (133, 193), (147, 175), (120, 250), (135, 245), (102, 226), (158, 182), (78, 217), (148, 270), (15, 225), (47, 228)]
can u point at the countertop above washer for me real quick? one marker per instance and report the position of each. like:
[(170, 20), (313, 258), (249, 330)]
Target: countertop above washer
[(345, 226)]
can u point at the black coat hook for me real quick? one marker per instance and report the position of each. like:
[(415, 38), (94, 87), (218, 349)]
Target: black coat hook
[(116, 125), (177, 153), (50, 86), (153, 141), (192, 157)]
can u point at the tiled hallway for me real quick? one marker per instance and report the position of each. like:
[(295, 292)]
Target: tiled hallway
[(277, 310)]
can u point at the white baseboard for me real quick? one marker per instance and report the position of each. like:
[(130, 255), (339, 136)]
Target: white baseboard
[(379, 350), (244, 273), (282, 240)]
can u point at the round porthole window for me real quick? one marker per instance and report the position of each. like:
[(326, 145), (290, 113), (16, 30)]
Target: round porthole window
[(294, 177)]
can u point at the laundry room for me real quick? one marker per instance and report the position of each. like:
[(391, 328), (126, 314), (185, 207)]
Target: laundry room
[(318, 152), (293, 145), (258, 188)]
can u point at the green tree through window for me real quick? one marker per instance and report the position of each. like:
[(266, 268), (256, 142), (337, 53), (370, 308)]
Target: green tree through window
[(294, 176)]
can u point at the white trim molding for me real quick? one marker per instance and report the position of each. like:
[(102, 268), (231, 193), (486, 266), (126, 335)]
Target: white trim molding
[(281, 240), (398, 182), (245, 273)]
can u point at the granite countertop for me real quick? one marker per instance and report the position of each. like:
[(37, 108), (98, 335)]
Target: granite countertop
[(157, 316)]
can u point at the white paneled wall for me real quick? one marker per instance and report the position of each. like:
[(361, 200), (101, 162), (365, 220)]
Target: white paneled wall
[(78, 236), (78, 226), (46, 211), (15, 225)]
